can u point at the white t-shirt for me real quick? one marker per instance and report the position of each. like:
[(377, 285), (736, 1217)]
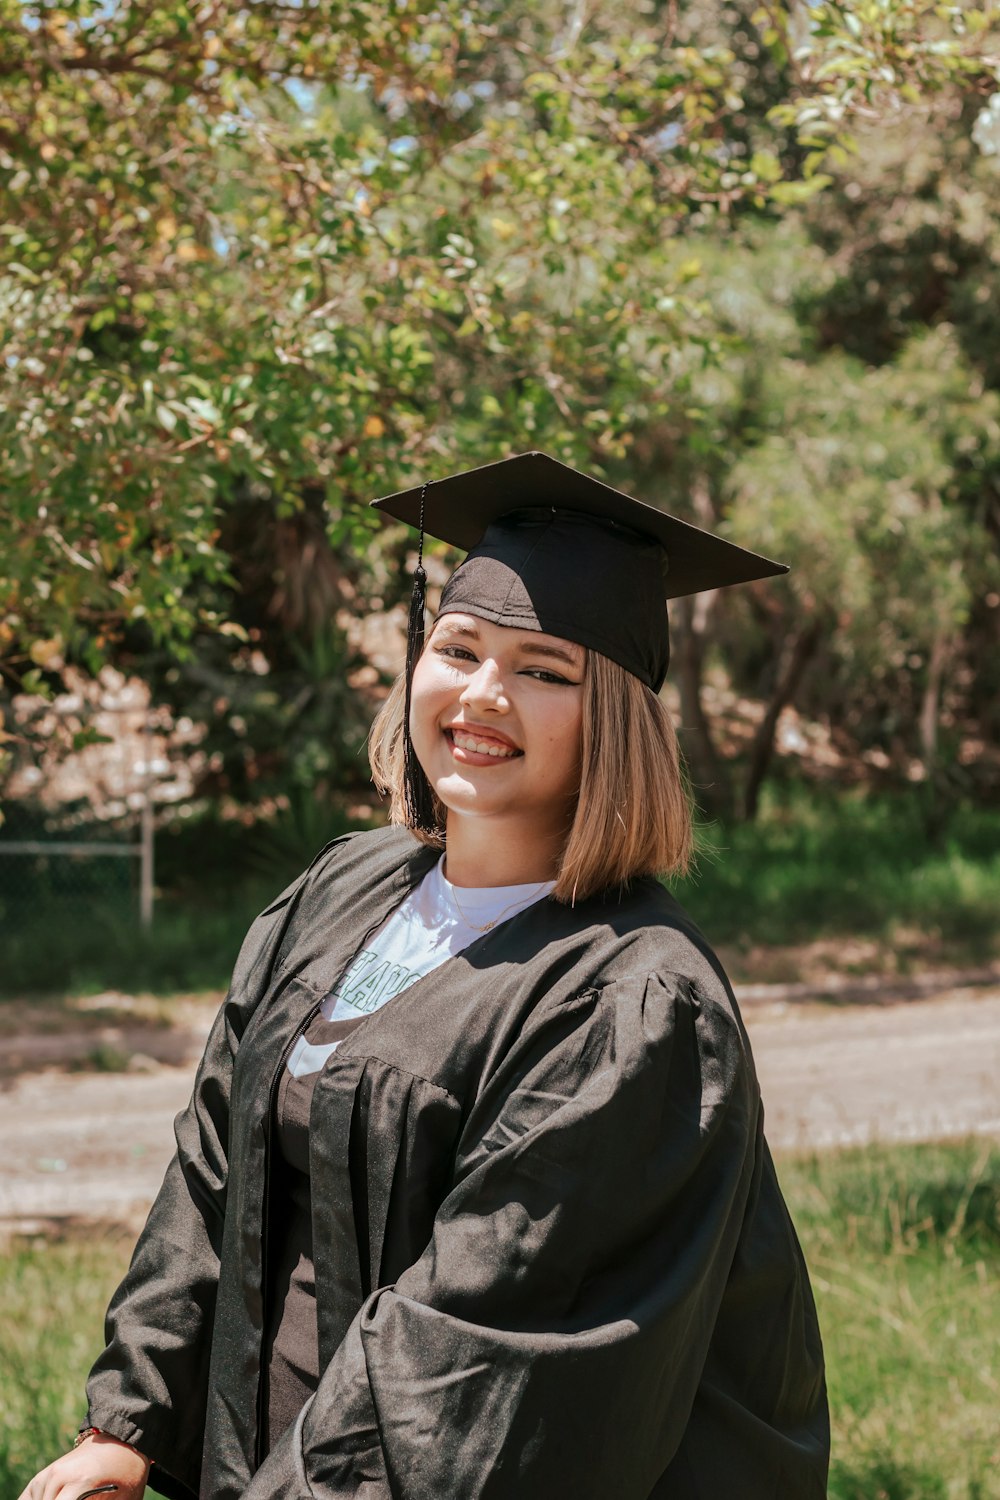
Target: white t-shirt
[(430, 925)]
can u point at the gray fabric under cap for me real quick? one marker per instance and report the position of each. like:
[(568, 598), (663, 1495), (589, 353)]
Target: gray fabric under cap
[(539, 569)]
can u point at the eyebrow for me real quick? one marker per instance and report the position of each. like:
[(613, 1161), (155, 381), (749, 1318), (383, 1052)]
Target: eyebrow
[(527, 648)]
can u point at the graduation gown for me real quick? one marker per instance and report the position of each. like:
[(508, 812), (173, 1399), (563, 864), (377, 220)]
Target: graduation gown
[(551, 1253)]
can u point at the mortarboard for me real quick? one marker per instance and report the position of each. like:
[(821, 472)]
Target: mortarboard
[(552, 549)]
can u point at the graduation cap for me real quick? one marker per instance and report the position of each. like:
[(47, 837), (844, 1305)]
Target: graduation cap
[(552, 549)]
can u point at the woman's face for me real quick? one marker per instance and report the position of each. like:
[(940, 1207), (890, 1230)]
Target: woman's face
[(495, 719)]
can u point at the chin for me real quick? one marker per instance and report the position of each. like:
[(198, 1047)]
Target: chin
[(460, 796)]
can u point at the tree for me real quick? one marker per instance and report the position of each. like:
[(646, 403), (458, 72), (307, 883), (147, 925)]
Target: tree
[(850, 481), (262, 263), (440, 245)]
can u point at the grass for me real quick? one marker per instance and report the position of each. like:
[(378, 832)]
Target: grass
[(53, 1297), (850, 867), (856, 872), (903, 1245)]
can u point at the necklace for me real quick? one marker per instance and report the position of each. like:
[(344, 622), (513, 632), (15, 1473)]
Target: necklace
[(500, 914)]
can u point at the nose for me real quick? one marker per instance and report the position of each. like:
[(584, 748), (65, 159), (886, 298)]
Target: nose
[(486, 688)]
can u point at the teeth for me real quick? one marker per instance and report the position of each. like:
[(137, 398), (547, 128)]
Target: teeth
[(466, 742)]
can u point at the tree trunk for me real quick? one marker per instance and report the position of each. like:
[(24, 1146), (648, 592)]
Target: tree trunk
[(710, 780), (931, 705), (796, 653), (935, 808)]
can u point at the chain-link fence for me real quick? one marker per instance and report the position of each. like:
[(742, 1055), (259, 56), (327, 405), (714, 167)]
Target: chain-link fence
[(84, 775), (70, 874)]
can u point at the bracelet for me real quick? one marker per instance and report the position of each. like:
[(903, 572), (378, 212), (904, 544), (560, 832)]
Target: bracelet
[(86, 1432)]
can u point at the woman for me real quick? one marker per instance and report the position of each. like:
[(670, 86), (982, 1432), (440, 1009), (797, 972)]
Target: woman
[(472, 1197)]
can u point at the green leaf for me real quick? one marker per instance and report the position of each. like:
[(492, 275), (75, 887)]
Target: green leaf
[(765, 166), (789, 193), (90, 736)]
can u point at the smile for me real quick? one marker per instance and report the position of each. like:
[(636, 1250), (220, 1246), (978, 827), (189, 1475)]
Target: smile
[(472, 745)]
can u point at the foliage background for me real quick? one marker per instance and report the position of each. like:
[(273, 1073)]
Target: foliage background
[(259, 263)]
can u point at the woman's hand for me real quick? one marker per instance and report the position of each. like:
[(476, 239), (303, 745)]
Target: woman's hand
[(100, 1460)]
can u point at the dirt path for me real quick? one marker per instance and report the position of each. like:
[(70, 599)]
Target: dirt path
[(905, 1072), (92, 1146)]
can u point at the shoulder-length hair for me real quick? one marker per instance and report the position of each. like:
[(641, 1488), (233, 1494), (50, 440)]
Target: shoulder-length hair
[(633, 811)]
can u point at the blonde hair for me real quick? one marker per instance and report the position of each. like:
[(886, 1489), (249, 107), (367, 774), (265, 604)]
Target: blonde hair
[(633, 812)]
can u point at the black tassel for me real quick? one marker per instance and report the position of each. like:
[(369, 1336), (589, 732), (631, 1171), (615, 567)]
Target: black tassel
[(418, 800)]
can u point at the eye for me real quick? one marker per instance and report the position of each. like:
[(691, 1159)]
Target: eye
[(544, 675), (460, 653)]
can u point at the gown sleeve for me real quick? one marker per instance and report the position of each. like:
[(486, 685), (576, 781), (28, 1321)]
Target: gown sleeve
[(550, 1339), (149, 1385)]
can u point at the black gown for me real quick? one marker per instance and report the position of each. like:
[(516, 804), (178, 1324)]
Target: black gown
[(552, 1257)]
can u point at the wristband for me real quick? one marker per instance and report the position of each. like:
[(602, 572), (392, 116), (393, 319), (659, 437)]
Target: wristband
[(86, 1432)]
